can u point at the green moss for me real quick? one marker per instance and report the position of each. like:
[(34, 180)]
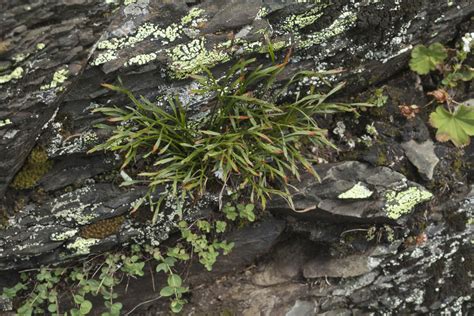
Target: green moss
[(35, 167), (103, 228), (3, 217), (400, 203), (382, 159)]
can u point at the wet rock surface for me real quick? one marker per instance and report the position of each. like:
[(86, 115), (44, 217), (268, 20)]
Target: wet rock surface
[(388, 228)]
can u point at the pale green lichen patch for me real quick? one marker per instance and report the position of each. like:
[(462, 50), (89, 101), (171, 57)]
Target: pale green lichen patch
[(358, 191), (20, 57), (400, 203), (40, 46), (104, 57), (168, 34), (141, 59), (14, 75), (192, 16), (5, 122), (341, 24), (59, 78), (81, 246), (296, 22), (69, 207), (64, 235), (188, 58), (263, 12)]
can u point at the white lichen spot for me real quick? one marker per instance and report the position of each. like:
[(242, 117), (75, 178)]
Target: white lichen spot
[(14, 75), (81, 246), (64, 235), (467, 42), (127, 2), (358, 191), (400, 203), (340, 129)]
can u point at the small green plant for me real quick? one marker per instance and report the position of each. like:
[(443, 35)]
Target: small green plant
[(453, 121), (454, 124), (378, 99), (425, 59), (253, 138)]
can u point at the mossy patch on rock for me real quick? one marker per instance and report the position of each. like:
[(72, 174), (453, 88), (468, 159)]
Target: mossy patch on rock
[(35, 167), (103, 228)]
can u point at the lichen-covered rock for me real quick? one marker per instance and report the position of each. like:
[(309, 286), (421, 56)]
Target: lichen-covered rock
[(354, 191), (151, 44)]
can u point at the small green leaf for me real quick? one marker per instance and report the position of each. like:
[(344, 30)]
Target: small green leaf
[(457, 126), (115, 309), (174, 280), (425, 59), (52, 308), (167, 291), (220, 226), (86, 307), (176, 306)]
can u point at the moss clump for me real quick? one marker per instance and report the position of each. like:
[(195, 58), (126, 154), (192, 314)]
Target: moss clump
[(3, 217), (382, 159), (36, 166), (103, 228)]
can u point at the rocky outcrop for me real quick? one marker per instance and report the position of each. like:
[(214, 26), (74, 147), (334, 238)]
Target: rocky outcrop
[(367, 238)]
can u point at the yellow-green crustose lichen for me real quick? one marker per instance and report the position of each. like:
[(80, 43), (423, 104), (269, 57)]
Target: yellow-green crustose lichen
[(40, 46), (20, 57), (81, 246), (5, 122), (17, 73), (341, 24), (190, 57), (358, 191), (167, 35), (36, 166), (58, 79), (400, 203), (296, 22)]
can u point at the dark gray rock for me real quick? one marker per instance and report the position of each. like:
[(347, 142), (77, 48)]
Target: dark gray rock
[(302, 308), (286, 262), (422, 156), (354, 191)]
